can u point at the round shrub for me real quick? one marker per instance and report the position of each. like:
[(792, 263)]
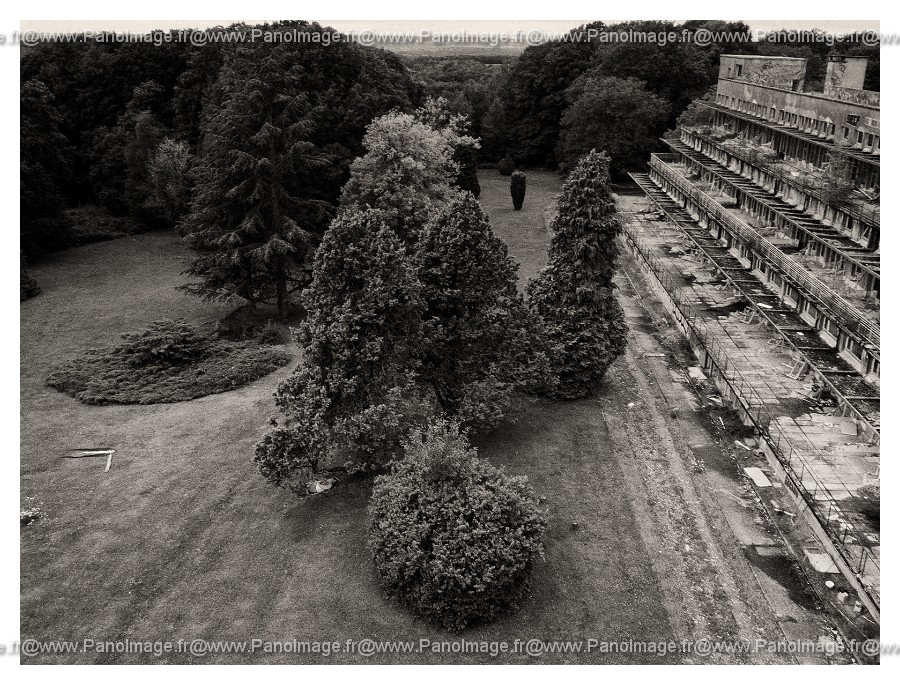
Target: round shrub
[(506, 166), (517, 188), (453, 538)]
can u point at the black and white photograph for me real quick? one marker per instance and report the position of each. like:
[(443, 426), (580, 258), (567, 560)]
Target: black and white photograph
[(429, 342)]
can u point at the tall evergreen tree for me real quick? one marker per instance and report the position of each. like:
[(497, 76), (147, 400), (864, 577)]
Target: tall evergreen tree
[(254, 214), (353, 399), (480, 340), (573, 296), (44, 158)]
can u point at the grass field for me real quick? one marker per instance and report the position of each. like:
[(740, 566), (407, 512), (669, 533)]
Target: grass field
[(183, 540)]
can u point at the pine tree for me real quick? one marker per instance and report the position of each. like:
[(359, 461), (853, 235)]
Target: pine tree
[(353, 398), (573, 296), (480, 340), (254, 214)]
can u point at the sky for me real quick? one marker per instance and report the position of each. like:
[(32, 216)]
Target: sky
[(436, 26)]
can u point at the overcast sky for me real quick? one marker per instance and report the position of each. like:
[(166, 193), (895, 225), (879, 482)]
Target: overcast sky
[(435, 26)]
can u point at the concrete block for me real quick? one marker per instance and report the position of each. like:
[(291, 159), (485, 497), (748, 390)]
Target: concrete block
[(821, 562), (758, 477)]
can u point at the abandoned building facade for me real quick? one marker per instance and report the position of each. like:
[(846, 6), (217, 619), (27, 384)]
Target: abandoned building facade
[(759, 232)]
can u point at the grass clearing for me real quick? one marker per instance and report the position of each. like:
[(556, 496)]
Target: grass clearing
[(182, 539)]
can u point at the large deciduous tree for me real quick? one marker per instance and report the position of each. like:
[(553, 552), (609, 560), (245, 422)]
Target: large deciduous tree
[(121, 154), (254, 212), (437, 114), (523, 119), (405, 173), (616, 115), (574, 295)]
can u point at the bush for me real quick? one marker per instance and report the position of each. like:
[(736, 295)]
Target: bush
[(169, 361), (28, 287), (453, 538), (506, 166), (163, 343), (95, 223), (517, 188)]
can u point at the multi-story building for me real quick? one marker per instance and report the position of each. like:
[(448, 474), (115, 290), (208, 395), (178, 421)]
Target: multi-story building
[(761, 227), (802, 170)]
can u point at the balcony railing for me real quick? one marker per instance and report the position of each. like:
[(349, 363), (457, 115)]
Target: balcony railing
[(853, 320), (796, 178)]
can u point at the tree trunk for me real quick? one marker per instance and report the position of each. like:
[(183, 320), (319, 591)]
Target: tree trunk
[(282, 293)]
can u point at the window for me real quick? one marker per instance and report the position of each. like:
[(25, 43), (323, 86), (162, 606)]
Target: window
[(853, 119), (739, 68), (870, 141), (846, 131), (859, 137)]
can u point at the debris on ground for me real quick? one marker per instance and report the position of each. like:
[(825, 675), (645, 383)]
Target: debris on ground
[(80, 453), (316, 487)]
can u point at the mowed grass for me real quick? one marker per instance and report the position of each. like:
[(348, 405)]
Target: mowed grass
[(183, 540), (523, 230)]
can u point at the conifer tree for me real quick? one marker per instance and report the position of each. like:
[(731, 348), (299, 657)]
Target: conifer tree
[(480, 339), (254, 214), (353, 398), (573, 296)]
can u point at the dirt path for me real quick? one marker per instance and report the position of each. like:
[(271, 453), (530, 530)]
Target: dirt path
[(727, 575), (722, 569)]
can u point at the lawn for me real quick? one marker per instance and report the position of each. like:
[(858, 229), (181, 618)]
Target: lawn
[(182, 539), (524, 230)]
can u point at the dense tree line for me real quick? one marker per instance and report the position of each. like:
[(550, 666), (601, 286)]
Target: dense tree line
[(119, 117), (556, 101)]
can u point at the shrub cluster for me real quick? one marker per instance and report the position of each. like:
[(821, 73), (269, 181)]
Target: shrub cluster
[(506, 166), (453, 538), (169, 361), (163, 343)]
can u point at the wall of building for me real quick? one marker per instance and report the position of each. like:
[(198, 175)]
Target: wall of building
[(856, 124), (845, 72), (779, 72)]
